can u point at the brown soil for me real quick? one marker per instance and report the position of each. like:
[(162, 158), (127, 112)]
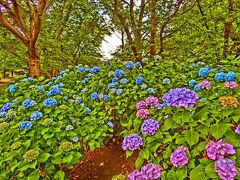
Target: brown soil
[(103, 163)]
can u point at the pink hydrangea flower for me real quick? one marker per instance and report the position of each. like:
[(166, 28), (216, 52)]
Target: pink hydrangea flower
[(230, 85)]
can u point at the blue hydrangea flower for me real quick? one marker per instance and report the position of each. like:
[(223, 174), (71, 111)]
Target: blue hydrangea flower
[(192, 83), (195, 65), (50, 102), (28, 103), (139, 80), (106, 63), (197, 88), (6, 107), (88, 110), (105, 97), (114, 80), (59, 77), (40, 88), (12, 88), (124, 81), (150, 90), (50, 83), (230, 76), (129, 65), (80, 69), (54, 91), (118, 73), (29, 79), (94, 96), (75, 139), (54, 78), (110, 124), (219, 76), (3, 114), (95, 69), (203, 72), (25, 125), (64, 71), (180, 97), (90, 74), (61, 84), (138, 64), (111, 85), (78, 99), (65, 98), (119, 91), (36, 115)]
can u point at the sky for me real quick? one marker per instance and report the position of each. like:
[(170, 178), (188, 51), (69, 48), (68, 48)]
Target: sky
[(110, 43)]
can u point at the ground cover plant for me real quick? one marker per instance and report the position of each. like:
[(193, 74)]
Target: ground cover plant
[(182, 117)]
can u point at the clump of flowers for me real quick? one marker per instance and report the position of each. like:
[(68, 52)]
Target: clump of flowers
[(217, 150), (141, 105), (129, 65), (94, 96), (226, 169), (192, 83), (219, 76), (69, 128), (3, 126), (124, 81), (230, 85), (197, 88), (180, 97), (3, 114), (75, 139), (40, 88), (6, 107), (205, 85), (142, 113), (31, 155), (25, 125), (179, 157), (110, 124), (78, 100), (151, 101), (66, 146), (54, 91), (150, 90), (139, 80), (36, 115), (132, 142), (136, 175), (238, 129), (50, 102), (150, 126), (28, 103), (119, 91), (166, 81), (138, 64), (15, 145), (203, 72), (95, 69), (230, 76), (228, 101), (118, 73), (151, 171), (12, 88)]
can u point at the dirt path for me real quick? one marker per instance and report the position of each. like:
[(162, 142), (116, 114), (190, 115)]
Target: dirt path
[(103, 163)]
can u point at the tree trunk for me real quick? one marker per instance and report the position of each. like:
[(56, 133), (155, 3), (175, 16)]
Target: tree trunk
[(33, 63), (153, 28)]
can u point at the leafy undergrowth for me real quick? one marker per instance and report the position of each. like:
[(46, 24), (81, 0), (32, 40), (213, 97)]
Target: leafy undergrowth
[(47, 124)]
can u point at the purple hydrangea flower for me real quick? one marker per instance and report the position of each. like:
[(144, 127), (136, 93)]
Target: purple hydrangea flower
[(136, 175), (151, 171), (141, 105), (149, 127), (75, 139), (205, 85), (226, 169), (132, 142), (110, 124), (142, 113), (238, 129), (180, 97), (179, 157), (151, 100), (159, 106), (217, 150)]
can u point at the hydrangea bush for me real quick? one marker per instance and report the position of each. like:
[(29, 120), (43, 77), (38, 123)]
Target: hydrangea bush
[(169, 117)]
